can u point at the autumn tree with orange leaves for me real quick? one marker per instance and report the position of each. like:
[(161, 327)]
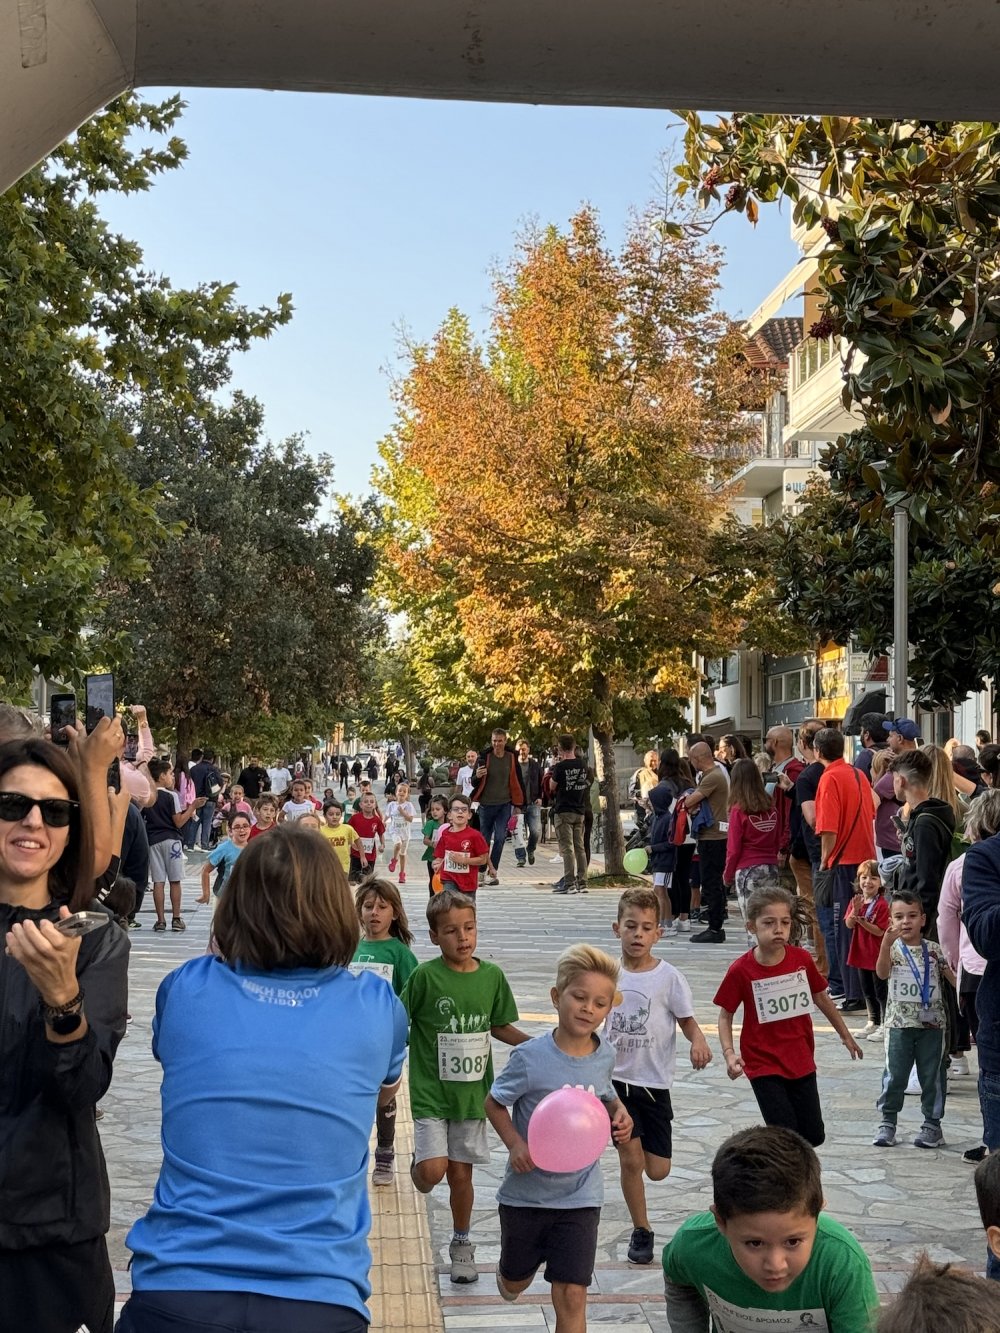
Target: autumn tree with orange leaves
[(550, 494)]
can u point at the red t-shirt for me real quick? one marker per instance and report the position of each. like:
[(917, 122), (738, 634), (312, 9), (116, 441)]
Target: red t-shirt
[(781, 1045), (844, 793), (864, 945), (369, 830), (256, 831), (467, 840)]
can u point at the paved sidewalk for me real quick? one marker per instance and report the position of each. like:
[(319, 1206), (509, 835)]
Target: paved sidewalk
[(898, 1202)]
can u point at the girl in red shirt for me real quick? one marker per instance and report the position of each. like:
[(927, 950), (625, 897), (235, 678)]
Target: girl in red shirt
[(753, 838), (867, 919), (779, 987)]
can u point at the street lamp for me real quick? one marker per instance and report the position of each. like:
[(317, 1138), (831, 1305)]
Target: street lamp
[(900, 601)]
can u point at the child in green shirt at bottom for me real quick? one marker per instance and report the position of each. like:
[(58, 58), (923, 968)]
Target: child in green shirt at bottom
[(766, 1258)]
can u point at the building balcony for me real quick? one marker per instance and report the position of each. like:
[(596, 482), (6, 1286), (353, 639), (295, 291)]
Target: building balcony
[(815, 410), (785, 470)]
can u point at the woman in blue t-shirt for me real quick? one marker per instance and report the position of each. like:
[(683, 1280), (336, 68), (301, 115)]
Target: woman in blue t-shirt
[(274, 1058)]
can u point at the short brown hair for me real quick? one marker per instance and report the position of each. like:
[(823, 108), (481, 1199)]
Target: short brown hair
[(287, 904), (938, 1297), (567, 742), (448, 901), (387, 891), (640, 900), (766, 1169)]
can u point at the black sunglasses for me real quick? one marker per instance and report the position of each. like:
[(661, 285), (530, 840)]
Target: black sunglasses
[(14, 805)]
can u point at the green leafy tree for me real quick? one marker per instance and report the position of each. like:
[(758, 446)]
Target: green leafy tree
[(910, 272), (85, 329), (254, 608), (555, 486)]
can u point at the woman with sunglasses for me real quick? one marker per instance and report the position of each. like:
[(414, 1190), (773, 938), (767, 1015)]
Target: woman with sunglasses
[(62, 1015)]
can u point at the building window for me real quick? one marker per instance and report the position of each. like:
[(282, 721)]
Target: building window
[(775, 690), (790, 687)]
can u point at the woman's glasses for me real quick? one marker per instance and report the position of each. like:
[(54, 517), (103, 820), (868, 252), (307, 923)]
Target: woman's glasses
[(14, 805)]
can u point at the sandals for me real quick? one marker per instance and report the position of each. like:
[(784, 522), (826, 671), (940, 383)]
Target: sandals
[(178, 923), (160, 925)]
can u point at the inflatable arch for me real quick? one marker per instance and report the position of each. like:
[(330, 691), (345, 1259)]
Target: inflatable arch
[(61, 60)]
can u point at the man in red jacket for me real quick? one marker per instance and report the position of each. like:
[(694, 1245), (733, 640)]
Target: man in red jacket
[(499, 792)]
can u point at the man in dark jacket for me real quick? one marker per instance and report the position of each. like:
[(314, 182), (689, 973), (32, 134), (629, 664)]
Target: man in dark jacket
[(981, 916), (498, 790), (254, 780), (207, 788), (531, 781), (926, 840)]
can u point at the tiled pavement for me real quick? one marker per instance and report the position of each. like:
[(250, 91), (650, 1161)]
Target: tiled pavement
[(898, 1202)]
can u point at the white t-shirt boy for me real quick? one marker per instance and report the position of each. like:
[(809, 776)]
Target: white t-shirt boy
[(398, 825), (643, 1028)]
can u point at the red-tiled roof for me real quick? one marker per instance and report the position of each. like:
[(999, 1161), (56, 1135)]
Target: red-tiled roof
[(773, 343)]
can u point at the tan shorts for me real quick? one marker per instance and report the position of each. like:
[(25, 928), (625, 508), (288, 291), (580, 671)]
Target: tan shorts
[(458, 1140)]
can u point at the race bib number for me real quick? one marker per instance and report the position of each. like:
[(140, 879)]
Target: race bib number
[(729, 1318), (463, 1056), (453, 866), (904, 988), (380, 969), (368, 846), (778, 998)]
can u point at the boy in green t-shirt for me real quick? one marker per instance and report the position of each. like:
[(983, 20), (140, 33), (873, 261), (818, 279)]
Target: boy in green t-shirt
[(455, 1003), (765, 1257)]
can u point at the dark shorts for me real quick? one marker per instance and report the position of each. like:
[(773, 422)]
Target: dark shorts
[(564, 1239), (651, 1114), (233, 1311)]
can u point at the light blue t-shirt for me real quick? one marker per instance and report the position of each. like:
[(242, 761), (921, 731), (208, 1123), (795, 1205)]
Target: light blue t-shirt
[(270, 1081), (226, 855), (535, 1069)]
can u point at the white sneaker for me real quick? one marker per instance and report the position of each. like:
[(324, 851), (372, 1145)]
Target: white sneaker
[(684, 927), (913, 1087), (959, 1064), (868, 1029), (875, 1034), (669, 930)]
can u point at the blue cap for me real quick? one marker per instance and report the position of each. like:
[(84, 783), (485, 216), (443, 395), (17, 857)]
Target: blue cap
[(907, 729)]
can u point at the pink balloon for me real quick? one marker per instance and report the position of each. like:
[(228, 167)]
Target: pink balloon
[(568, 1130)]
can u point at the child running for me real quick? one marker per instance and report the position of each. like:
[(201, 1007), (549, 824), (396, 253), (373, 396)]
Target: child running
[(455, 1004), (367, 824), (767, 1246), (224, 857), (656, 1000), (778, 986), (460, 850), (437, 814), (400, 814), (267, 816), (341, 836), (867, 918), (385, 949), (548, 1217), (916, 1028)]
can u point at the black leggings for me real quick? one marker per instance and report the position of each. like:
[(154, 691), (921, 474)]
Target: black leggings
[(792, 1103), (876, 993), (680, 881)]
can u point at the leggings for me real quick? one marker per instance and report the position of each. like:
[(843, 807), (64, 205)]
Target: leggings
[(385, 1124), (876, 992), (792, 1103), (680, 881)]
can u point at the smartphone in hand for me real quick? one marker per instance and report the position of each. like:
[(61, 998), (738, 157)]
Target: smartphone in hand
[(100, 698), (62, 714)]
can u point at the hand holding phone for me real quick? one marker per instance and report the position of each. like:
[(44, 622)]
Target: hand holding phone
[(100, 698), (62, 714), (82, 923)]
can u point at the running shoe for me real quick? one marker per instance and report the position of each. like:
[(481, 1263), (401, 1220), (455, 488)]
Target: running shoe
[(463, 1262), (392, 865), (640, 1248)]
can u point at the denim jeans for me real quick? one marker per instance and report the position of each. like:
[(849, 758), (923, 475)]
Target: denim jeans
[(989, 1104), (493, 826), (843, 892), (203, 819), (530, 822)]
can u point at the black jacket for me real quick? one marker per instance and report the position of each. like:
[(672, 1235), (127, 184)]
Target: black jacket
[(926, 848), (533, 788), (53, 1181), (254, 781), (981, 916)]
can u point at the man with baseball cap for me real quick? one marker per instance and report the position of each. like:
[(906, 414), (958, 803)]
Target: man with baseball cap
[(902, 734)]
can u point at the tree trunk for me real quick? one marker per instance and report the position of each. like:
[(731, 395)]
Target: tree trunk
[(407, 740), (185, 734), (614, 840)]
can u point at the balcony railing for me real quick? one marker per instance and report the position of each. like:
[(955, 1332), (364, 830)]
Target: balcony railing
[(809, 358)]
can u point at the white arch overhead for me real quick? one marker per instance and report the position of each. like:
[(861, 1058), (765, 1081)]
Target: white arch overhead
[(61, 60)]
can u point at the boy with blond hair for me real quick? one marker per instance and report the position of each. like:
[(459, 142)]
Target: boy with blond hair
[(548, 1217)]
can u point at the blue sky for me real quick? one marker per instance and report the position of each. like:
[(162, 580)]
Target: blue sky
[(381, 213)]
